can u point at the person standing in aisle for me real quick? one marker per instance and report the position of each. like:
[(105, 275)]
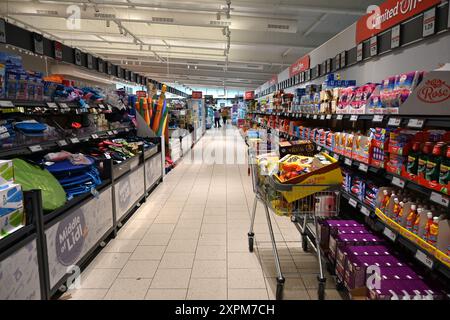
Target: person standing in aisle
[(224, 116), (216, 118)]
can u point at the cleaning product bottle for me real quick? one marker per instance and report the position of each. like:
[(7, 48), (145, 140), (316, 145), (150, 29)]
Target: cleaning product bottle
[(401, 214), (434, 230), (411, 218), (428, 225), (391, 198), (444, 172), (413, 158), (423, 158), (434, 162), (385, 200), (417, 222), (396, 210)]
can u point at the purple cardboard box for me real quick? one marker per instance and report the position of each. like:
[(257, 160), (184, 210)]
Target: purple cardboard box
[(405, 290), (398, 273), (349, 230), (328, 225), (342, 240)]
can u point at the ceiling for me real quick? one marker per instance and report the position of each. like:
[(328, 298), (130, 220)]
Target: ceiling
[(186, 41)]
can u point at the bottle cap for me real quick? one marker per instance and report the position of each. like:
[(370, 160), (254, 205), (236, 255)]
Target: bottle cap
[(429, 215), (436, 219)]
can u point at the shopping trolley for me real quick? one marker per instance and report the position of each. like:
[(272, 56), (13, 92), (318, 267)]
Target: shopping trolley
[(317, 201)]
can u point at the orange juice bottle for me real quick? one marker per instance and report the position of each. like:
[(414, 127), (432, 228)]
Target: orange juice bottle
[(434, 230)]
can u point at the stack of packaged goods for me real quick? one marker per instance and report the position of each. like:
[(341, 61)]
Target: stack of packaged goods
[(12, 215)]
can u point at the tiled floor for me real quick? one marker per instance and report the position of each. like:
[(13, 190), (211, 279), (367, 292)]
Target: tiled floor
[(189, 241)]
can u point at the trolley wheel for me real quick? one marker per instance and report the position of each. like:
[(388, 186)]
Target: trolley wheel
[(280, 286), (250, 241), (293, 218), (304, 243), (339, 285), (321, 291)]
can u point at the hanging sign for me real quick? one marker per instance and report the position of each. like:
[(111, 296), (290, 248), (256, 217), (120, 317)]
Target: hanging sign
[(58, 50), (389, 14), (100, 65), (90, 61), (77, 57), (249, 95), (343, 59), (2, 31), (395, 37), (429, 22), (359, 52), (38, 41), (299, 66), (337, 62), (197, 94), (109, 68), (373, 46)]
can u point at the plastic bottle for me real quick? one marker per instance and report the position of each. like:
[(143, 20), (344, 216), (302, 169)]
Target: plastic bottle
[(411, 218), (444, 172), (401, 213), (385, 200), (417, 223), (434, 231), (391, 197), (397, 209), (423, 158), (434, 162), (428, 225), (413, 158)]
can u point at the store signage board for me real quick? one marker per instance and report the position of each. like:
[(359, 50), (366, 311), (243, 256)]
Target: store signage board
[(77, 57), (359, 52), (90, 61), (389, 14), (299, 66), (395, 37), (422, 257), (2, 31), (38, 41), (249, 95), (429, 22), (58, 50), (197, 94), (343, 59), (337, 62), (373, 46)]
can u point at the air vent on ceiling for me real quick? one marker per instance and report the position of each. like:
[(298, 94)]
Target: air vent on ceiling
[(105, 15), (162, 20), (47, 12), (278, 26), (132, 58), (252, 66), (220, 23)]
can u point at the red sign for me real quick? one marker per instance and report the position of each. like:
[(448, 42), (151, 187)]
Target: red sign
[(299, 66), (58, 50), (249, 95), (141, 94), (273, 80), (389, 14), (434, 91), (197, 94)]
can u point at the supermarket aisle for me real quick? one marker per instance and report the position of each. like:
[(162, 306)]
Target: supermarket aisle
[(189, 240)]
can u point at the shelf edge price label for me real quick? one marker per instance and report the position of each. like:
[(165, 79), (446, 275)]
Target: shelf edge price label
[(62, 143), (110, 133), (354, 117), (94, 136), (365, 211), (378, 118), (440, 199), (315, 117), (352, 202), (74, 140), (319, 148), (336, 156), (6, 104), (398, 182), (328, 116), (390, 234), (322, 117), (340, 117), (424, 258), (394, 122), (363, 167), (416, 123), (52, 105), (115, 131), (63, 106), (348, 162), (35, 148)]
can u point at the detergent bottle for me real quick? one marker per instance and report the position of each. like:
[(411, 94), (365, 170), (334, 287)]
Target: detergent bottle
[(401, 214), (415, 228), (411, 218), (385, 200), (434, 231), (428, 225), (396, 209)]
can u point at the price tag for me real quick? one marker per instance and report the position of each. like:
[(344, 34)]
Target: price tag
[(394, 122), (307, 116), (336, 156), (354, 117), (127, 130), (424, 258), (398, 182), (348, 162), (378, 118), (390, 234), (52, 105), (74, 140), (94, 136), (62, 143), (35, 148), (429, 22), (319, 148), (322, 117), (110, 133), (63, 106), (352, 202), (340, 117), (101, 106), (6, 104), (115, 131), (440, 199), (416, 123), (315, 117), (328, 116), (365, 211), (363, 167)]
